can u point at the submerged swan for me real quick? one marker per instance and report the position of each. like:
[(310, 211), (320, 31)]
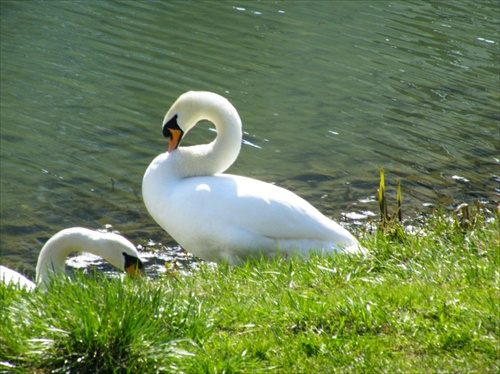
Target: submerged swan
[(223, 217), (114, 248)]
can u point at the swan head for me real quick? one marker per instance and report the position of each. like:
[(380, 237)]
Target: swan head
[(173, 132), (192, 107), (123, 255), (117, 250)]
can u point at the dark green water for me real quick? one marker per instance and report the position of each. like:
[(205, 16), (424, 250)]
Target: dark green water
[(328, 91)]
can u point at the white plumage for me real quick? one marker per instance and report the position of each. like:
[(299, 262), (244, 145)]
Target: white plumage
[(114, 248), (223, 217)]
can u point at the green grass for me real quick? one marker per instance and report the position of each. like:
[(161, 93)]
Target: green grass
[(416, 304)]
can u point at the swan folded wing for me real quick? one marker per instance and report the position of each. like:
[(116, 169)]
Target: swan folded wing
[(216, 206), (279, 213)]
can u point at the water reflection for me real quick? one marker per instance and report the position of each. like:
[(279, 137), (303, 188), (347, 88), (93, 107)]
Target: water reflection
[(329, 92)]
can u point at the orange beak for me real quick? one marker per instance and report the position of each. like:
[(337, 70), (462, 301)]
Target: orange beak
[(174, 139), (134, 271)]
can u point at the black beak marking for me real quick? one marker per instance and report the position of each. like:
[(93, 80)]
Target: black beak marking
[(132, 260), (171, 124)]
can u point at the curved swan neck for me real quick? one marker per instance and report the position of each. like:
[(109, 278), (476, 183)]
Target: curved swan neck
[(52, 258), (227, 145), (219, 155)]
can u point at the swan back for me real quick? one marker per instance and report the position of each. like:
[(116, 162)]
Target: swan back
[(9, 276), (114, 248)]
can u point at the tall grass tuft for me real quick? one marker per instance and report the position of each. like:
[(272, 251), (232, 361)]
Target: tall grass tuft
[(384, 214), (390, 225), (99, 325)]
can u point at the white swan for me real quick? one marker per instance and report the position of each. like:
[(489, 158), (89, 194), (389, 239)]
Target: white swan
[(222, 217), (112, 247)]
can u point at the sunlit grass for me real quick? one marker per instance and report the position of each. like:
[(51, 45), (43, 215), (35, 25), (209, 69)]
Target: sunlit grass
[(417, 303)]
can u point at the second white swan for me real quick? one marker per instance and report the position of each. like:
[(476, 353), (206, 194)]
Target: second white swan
[(223, 217), (114, 248)]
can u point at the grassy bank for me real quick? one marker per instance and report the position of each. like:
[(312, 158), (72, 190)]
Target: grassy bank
[(417, 304)]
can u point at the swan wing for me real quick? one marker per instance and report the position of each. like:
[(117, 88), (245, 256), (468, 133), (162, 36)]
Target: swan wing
[(239, 214)]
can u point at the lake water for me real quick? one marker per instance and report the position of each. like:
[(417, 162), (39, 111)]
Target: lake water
[(328, 91)]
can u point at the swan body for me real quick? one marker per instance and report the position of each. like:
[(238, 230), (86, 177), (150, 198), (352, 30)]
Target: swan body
[(224, 217), (114, 248), (9, 276)]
